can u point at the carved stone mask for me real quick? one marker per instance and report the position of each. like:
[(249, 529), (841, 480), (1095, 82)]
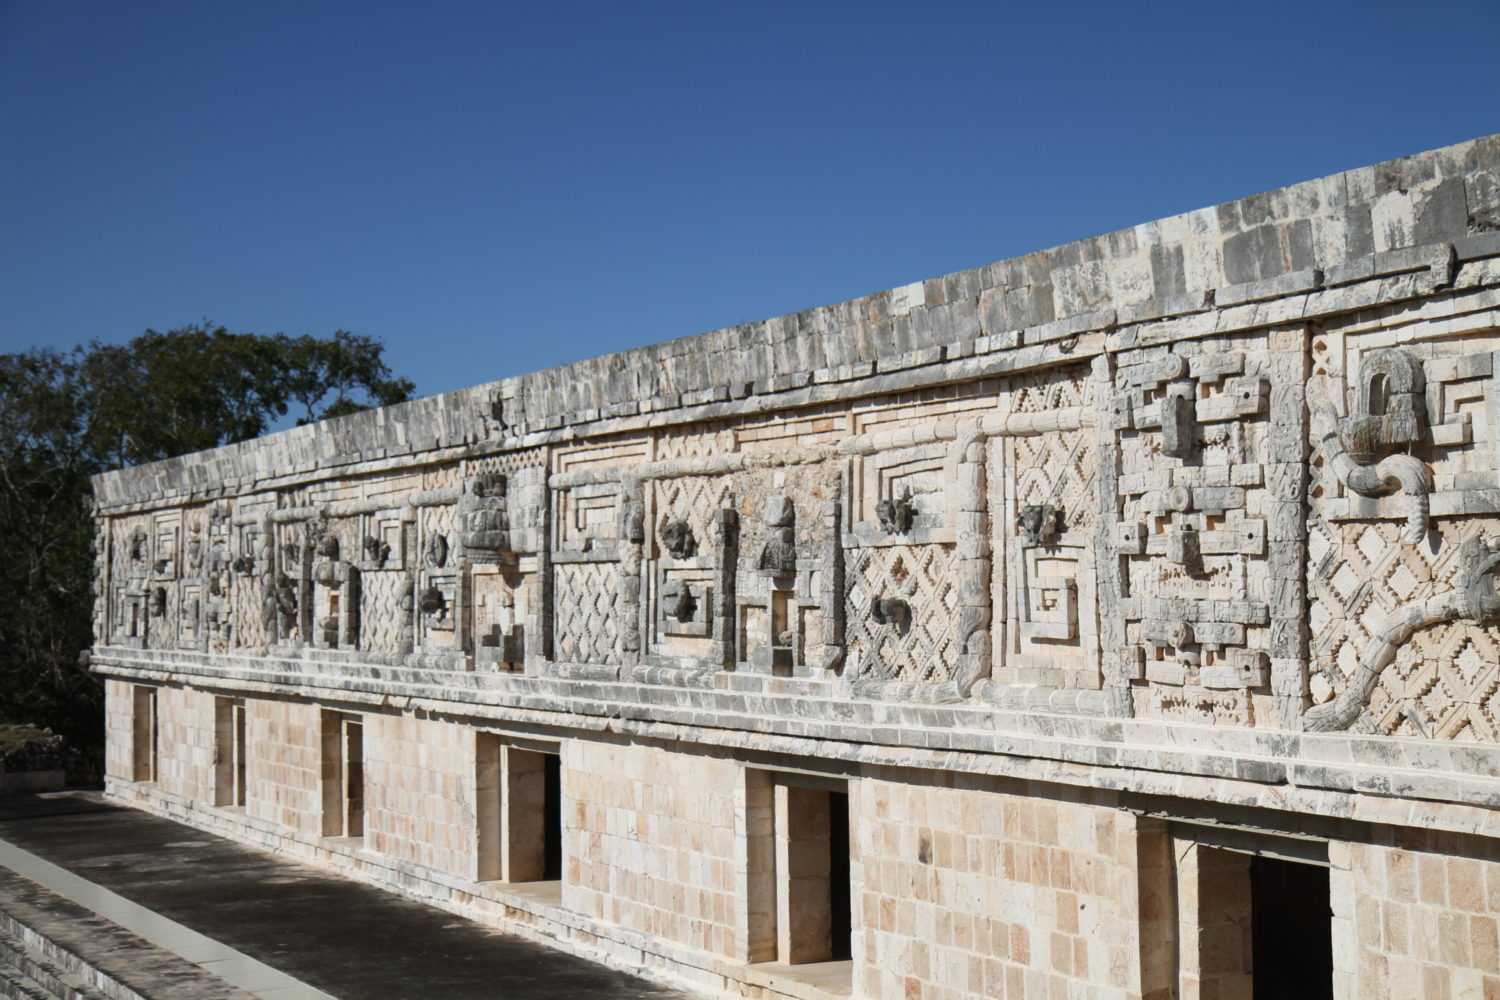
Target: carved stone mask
[(1039, 524), (376, 550), (1387, 412), (677, 601), (488, 484), (891, 611), (1480, 579), (678, 539), (432, 602), (895, 515)]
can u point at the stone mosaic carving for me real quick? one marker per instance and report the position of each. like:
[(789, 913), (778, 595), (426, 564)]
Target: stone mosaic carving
[(920, 578), (485, 516), (1223, 511)]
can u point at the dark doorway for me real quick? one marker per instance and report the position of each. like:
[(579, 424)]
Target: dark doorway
[(1292, 930), (838, 874), (552, 828)]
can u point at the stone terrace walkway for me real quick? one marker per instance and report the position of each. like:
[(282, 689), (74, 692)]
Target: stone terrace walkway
[(333, 935)]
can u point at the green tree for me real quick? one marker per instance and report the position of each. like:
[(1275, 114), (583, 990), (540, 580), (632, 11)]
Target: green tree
[(65, 417)]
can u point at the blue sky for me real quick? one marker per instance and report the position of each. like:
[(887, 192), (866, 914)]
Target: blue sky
[(492, 188)]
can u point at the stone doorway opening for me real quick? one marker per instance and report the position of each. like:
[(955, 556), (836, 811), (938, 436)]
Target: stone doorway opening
[(800, 895), (343, 776), (519, 815), (1291, 930), (1254, 917)]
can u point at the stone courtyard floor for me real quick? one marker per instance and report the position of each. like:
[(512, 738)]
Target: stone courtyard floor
[(190, 914)]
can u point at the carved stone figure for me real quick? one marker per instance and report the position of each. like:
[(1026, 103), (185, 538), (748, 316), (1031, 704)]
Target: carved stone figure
[(435, 551), (327, 570), (678, 538), (484, 515), (1039, 524), (377, 551), (279, 603), (135, 547), (891, 611), (432, 603), (1387, 412), (1386, 415), (896, 514), (778, 557), (158, 601), (677, 601)]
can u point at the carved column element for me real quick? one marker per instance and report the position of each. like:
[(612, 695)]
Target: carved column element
[(975, 604), (727, 542), (632, 543), (1286, 523), (831, 595), (1119, 668)]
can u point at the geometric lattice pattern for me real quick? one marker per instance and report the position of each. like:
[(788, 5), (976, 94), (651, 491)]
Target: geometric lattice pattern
[(246, 620), (1057, 469), (586, 626), (694, 499), (695, 441), (384, 622), (1444, 682), (1050, 390), (920, 575)]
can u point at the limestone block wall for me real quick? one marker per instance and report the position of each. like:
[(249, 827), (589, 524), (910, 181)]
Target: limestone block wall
[(117, 730), (989, 889), (1424, 916), (419, 805), (1073, 625), (285, 768), (652, 843)]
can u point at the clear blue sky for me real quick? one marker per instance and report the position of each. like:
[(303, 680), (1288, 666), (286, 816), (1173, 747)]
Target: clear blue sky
[(492, 188)]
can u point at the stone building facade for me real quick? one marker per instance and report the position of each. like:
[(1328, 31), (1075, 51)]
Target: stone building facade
[(1116, 621)]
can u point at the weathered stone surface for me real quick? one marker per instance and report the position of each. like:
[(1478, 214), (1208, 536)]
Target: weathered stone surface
[(1193, 520)]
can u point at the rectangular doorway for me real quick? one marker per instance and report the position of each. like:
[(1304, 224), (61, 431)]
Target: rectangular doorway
[(229, 752), (519, 812), (800, 905), (1292, 930), (1253, 922), (144, 733), (343, 776)]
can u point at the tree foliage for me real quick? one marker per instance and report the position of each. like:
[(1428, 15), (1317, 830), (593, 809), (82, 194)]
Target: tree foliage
[(67, 416)]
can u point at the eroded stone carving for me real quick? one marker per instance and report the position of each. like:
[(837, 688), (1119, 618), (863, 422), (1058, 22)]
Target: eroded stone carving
[(1039, 524), (1476, 598), (1386, 413), (678, 538), (484, 514), (376, 551), (891, 611), (896, 514), (778, 556), (677, 600), (435, 551)]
